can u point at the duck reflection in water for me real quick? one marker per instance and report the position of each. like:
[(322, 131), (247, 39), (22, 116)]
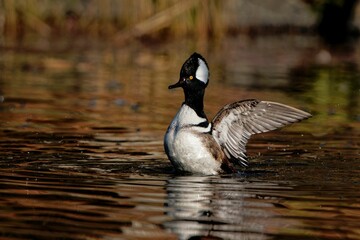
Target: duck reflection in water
[(229, 208)]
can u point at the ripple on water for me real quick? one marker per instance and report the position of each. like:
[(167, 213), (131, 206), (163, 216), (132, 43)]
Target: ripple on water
[(81, 153), (112, 185)]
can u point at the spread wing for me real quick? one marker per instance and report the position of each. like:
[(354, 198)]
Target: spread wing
[(236, 122)]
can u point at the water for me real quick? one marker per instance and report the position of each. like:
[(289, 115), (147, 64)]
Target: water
[(81, 153)]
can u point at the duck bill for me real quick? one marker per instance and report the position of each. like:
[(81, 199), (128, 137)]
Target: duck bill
[(180, 83)]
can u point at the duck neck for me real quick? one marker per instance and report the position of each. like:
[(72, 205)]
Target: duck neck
[(195, 100)]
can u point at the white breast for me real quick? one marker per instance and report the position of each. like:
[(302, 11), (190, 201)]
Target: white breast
[(185, 147)]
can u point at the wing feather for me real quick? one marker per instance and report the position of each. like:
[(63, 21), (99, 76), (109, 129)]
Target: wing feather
[(236, 122)]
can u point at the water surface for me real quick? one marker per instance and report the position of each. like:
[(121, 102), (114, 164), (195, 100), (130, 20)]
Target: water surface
[(81, 133)]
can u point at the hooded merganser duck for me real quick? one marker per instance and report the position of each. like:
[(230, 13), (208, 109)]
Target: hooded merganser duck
[(193, 144)]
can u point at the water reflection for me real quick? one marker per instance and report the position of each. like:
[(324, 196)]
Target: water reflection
[(76, 205), (235, 208), (216, 207), (81, 152), (323, 80)]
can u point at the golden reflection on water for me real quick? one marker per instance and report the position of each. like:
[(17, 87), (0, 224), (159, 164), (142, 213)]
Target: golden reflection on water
[(82, 157)]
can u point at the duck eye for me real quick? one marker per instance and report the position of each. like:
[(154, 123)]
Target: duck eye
[(191, 77)]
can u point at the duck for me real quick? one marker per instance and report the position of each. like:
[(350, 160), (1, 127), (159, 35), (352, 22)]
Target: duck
[(195, 145)]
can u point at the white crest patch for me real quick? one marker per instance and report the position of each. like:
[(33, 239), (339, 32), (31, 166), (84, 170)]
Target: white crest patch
[(202, 73)]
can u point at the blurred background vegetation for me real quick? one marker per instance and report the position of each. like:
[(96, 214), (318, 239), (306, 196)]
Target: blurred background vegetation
[(306, 49), (120, 20)]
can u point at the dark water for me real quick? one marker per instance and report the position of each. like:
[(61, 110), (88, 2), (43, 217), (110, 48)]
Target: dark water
[(81, 156)]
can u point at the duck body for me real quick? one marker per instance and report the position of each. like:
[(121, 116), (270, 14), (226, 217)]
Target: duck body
[(187, 143), (195, 145)]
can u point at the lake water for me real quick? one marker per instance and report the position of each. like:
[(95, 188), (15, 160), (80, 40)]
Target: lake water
[(81, 134)]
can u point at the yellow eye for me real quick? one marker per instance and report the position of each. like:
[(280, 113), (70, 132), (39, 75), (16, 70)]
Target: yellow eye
[(191, 77)]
